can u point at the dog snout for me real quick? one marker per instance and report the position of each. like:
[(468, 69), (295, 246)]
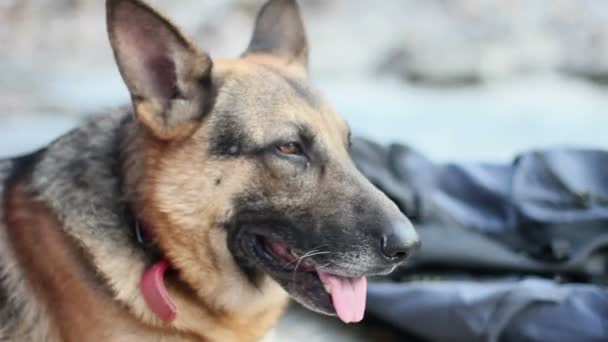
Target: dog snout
[(399, 239)]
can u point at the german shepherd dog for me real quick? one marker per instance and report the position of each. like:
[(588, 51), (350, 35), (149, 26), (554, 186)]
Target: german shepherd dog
[(194, 216)]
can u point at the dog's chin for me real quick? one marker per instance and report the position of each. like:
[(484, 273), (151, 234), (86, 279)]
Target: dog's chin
[(296, 275)]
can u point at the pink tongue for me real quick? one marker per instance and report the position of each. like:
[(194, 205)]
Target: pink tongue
[(347, 294)]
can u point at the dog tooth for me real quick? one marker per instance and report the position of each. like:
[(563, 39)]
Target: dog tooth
[(327, 288)]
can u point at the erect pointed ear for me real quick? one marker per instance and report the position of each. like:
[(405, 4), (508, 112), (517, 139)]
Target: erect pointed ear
[(168, 78), (279, 32)]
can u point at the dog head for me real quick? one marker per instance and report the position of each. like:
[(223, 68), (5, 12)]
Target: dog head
[(244, 169)]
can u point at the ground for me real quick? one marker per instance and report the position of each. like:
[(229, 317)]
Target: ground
[(301, 325)]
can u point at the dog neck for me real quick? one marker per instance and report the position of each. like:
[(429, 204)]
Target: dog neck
[(92, 210), (152, 284)]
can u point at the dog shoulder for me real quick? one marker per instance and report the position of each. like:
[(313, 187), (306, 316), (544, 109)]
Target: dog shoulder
[(21, 316), (65, 161)]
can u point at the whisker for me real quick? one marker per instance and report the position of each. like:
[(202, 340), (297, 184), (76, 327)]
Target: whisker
[(325, 265), (307, 255), (298, 259)]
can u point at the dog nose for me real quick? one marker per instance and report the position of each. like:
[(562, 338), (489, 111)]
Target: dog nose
[(399, 240)]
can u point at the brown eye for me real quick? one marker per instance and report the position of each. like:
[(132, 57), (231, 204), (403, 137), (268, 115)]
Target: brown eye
[(291, 148)]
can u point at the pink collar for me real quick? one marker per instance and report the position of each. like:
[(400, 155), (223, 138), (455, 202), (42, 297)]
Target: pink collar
[(155, 292), (152, 283)]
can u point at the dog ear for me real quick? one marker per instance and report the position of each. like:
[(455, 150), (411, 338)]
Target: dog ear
[(279, 31), (168, 78)]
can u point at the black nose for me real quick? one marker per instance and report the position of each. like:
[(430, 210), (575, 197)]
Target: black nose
[(399, 240)]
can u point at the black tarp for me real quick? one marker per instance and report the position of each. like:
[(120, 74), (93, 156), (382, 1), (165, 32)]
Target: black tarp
[(511, 252)]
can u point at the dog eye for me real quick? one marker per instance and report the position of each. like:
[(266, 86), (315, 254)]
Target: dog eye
[(291, 148)]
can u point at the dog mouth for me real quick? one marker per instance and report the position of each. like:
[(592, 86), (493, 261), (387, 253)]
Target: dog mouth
[(313, 285)]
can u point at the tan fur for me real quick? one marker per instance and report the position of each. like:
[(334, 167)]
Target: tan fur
[(224, 300), (62, 282), (79, 310)]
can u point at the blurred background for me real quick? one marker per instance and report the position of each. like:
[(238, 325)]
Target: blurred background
[(457, 79), (461, 80)]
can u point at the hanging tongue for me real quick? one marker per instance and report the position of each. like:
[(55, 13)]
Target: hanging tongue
[(347, 294)]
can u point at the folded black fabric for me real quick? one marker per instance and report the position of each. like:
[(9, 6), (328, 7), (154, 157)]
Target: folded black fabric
[(508, 248), (502, 310), (545, 213)]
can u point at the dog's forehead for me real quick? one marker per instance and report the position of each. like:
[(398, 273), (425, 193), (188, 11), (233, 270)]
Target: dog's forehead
[(269, 83), (264, 96)]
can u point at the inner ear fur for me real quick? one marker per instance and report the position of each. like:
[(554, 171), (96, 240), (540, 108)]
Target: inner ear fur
[(168, 77)]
